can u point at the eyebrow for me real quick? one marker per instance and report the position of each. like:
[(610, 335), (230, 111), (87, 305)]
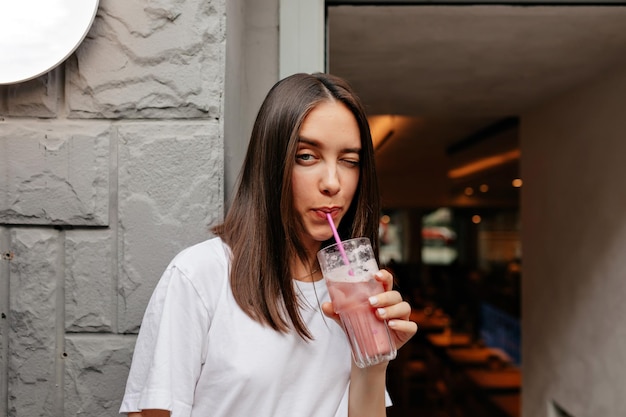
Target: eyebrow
[(316, 144)]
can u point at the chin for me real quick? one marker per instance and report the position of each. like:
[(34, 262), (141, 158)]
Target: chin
[(322, 235), (319, 236)]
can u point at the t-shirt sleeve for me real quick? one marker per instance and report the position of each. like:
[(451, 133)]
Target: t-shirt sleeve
[(170, 347)]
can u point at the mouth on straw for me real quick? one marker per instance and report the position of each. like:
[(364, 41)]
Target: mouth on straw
[(339, 244)]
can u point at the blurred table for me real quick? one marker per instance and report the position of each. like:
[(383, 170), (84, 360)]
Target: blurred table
[(508, 378), (449, 339), (477, 355), (429, 321)]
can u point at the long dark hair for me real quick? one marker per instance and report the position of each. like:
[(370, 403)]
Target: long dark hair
[(261, 227)]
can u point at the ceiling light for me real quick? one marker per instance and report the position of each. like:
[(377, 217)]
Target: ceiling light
[(484, 163), (476, 219), (517, 182), (383, 127), (484, 188), (469, 191)]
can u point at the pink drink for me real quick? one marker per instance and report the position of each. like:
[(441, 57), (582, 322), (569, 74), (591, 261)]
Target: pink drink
[(349, 271), (368, 335)]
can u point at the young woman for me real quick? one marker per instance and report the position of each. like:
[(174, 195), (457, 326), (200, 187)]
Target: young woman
[(241, 325)]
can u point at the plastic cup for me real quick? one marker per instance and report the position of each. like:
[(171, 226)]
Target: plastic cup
[(350, 287)]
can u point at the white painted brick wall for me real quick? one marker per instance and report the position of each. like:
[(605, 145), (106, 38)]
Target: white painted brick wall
[(89, 279), (54, 172), (32, 318), (170, 181), (36, 98), (94, 366), (109, 165), (158, 59)]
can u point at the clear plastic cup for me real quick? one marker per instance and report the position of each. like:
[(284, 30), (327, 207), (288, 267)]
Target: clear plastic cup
[(350, 287)]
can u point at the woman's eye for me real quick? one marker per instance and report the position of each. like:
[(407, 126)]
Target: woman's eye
[(304, 157), (352, 162)]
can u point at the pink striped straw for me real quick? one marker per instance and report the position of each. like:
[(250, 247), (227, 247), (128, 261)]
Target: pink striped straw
[(339, 244)]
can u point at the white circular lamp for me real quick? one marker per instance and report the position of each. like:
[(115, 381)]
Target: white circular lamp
[(38, 35)]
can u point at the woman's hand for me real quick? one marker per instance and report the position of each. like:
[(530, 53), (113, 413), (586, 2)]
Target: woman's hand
[(389, 306)]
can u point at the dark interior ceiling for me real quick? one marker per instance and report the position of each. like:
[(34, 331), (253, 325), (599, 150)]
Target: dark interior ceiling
[(451, 74)]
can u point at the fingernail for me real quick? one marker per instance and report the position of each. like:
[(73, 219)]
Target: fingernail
[(381, 312), (373, 300), (379, 274), (391, 323)]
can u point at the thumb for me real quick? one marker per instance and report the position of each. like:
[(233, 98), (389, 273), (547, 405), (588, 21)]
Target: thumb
[(327, 309)]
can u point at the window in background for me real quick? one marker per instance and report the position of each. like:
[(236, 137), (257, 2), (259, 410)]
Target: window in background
[(499, 239), (499, 258), (438, 238), (390, 231)]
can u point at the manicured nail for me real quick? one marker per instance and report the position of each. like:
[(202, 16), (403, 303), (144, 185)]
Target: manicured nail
[(379, 274), (391, 323), (373, 300), (381, 312)]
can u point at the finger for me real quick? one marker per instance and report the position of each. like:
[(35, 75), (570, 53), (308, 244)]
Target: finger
[(327, 309), (404, 329), (400, 311), (384, 277), (385, 299)]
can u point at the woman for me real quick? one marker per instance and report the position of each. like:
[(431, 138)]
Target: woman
[(234, 326)]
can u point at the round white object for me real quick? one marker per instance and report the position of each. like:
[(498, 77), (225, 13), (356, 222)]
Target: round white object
[(38, 35)]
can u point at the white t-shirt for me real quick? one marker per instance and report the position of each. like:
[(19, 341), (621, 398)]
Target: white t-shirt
[(198, 354)]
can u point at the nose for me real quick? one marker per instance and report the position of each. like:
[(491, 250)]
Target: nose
[(330, 184)]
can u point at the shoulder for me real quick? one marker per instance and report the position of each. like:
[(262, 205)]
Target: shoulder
[(208, 254), (205, 266)]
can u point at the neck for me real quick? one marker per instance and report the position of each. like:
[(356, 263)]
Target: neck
[(307, 273)]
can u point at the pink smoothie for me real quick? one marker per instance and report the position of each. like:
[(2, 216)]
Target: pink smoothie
[(364, 329)]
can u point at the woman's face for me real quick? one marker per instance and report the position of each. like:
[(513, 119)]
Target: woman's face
[(326, 173)]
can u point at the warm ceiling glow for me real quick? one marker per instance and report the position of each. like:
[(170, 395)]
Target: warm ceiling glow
[(385, 219), (484, 163), (383, 126), (517, 182), (469, 191), (476, 219), (484, 188)]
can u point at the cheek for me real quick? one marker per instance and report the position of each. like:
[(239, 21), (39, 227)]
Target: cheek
[(352, 185), (299, 190)]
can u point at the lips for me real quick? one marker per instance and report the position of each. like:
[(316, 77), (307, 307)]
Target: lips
[(321, 212)]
